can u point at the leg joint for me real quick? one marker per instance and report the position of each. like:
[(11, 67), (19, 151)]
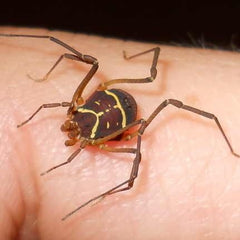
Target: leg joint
[(89, 59), (151, 79), (175, 102), (142, 127)]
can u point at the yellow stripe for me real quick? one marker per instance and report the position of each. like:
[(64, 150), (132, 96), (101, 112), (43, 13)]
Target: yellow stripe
[(94, 129), (118, 106)]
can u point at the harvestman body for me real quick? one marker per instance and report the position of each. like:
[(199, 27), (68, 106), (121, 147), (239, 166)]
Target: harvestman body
[(107, 114)]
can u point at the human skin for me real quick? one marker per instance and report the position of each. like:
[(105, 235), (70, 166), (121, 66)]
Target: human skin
[(188, 184)]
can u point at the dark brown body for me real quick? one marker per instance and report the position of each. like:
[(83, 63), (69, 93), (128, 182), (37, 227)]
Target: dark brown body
[(105, 112)]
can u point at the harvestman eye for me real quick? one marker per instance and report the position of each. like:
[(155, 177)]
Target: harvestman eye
[(107, 114)]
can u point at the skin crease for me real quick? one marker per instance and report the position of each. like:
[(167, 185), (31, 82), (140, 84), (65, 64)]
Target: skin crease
[(188, 184)]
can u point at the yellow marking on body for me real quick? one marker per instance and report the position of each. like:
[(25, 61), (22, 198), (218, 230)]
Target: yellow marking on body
[(94, 129), (98, 103), (108, 125), (107, 110), (118, 105)]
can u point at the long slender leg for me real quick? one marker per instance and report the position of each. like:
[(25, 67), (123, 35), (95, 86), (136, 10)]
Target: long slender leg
[(120, 150), (83, 144), (101, 146), (118, 188), (65, 55), (134, 172), (153, 70), (79, 56), (47, 105), (84, 58), (137, 160), (179, 104)]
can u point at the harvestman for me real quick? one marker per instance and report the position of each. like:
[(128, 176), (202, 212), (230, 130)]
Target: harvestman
[(107, 114)]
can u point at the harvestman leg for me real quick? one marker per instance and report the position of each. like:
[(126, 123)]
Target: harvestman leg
[(72, 156), (179, 104), (77, 56), (153, 74), (47, 105), (153, 70), (65, 55), (130, 181), (137, 160), (98, 142), (175, 103)]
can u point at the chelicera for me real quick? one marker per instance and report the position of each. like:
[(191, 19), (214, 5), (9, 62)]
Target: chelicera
[(107, 114)]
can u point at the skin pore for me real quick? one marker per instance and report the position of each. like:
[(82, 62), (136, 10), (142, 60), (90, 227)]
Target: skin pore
[(188, 184)]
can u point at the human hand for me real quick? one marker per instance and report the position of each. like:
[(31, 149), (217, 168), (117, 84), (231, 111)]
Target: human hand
[(188, 185)]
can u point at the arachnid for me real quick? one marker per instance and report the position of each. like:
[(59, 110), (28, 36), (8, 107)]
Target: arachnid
[(107, 114)]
